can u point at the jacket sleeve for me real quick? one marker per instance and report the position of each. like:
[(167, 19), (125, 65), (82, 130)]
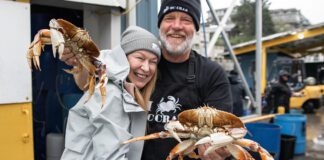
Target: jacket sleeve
[(111, 128), (96, 133), (216, 88), (78, 132)]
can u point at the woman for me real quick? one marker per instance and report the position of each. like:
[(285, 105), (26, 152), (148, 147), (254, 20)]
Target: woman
[(95, 132)]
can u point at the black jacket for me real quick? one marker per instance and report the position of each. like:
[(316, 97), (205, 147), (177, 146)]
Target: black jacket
[(180, 88), (238, 94)]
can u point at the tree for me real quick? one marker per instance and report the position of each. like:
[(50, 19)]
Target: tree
[(244, 18)]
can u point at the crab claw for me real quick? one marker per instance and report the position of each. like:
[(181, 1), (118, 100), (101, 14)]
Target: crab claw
[(237, 133), (171, 126), (41, 38), (238, 152), (57, 41), (216, 140), (185, 147)]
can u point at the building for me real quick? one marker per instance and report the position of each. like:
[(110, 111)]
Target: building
[(284, 20), (288, 19)]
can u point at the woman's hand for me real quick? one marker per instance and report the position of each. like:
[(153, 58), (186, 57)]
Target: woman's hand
[(69, 58), (219, 154)]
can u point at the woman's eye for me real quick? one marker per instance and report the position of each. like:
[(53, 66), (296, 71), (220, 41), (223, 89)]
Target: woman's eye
[(153, 62), (140, 58)]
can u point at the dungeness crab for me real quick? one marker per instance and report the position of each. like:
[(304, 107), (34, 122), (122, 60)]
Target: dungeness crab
[(64, 34), (207, 125)]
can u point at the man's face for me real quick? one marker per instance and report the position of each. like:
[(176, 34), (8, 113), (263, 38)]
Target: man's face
[(285, 78), (177, 31)]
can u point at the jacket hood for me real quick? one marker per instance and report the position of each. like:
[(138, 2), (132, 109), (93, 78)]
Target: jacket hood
[(116, 63)]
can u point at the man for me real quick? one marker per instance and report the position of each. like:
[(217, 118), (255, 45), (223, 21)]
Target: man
[(280, 93), (186, 80), (238, 93)]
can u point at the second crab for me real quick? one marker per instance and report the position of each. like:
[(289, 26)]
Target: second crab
[(64, 34)]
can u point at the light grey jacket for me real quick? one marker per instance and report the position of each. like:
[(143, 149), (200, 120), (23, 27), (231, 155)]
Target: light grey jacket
[(93, 133)]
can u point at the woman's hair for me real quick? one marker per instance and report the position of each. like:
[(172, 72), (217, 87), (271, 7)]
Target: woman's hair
[(142, 97)]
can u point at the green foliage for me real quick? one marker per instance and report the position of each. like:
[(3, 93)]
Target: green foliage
[(244, 18)]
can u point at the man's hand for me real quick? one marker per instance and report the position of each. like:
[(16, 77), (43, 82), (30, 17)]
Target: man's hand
[(69, 58), (219, 154)]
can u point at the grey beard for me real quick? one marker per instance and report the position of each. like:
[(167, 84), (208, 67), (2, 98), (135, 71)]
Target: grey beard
[(179, 50)]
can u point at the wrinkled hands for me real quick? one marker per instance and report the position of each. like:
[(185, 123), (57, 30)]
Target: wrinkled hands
[(219, 154)]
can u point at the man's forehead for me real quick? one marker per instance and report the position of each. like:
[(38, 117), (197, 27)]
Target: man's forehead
[(178, 13)]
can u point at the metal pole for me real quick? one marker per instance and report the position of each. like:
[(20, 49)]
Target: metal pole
[(204, 31), (258, 54), (229, 47), (220, 27)]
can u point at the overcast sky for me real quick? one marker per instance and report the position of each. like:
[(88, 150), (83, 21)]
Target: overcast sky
[(312, 9)]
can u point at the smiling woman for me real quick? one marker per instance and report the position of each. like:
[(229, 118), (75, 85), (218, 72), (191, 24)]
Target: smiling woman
[(95, 132), (143, 66)]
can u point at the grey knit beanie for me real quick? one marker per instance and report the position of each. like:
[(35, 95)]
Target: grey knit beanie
[(136, 38)]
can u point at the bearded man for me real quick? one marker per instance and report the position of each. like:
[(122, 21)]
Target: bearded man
[(186, 80)]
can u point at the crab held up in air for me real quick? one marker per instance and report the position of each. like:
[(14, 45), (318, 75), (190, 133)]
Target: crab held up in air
[(207, 125), (63, 34)]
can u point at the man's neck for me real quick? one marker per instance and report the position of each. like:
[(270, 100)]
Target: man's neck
[(176, 58)]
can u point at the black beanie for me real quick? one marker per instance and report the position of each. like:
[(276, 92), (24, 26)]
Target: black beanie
[(191, 7)]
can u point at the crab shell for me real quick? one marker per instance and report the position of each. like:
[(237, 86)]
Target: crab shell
[(78, 35), (210, 117)]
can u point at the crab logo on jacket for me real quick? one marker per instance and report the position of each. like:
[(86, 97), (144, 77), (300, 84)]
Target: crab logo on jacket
[(166, 110), (170, 105)]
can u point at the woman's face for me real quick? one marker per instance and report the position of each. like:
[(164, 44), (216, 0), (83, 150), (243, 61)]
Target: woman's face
[(143, 65)]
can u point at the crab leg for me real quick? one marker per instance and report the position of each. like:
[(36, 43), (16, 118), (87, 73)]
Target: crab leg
[(91, 83), (172, 126), (255, 147), (221, 138), (162, 134), (41, 38), (150, 136), (103, 79)]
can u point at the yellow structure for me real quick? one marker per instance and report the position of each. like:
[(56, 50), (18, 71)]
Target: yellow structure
[(16, 118), (295, 44), (16, 132)]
